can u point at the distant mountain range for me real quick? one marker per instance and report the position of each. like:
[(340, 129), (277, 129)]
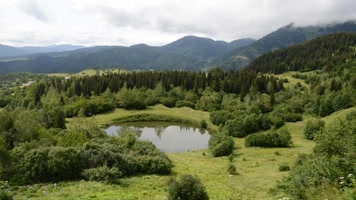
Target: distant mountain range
[(9, 51), (187, 53)]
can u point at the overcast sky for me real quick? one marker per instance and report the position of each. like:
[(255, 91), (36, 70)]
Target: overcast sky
[(157, 22)]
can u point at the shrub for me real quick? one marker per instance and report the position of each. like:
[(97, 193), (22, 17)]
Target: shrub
[(221, 145), (313, 126), (284, 167), (232, 170), (188, 188), (280, 138), (241, 126), (203, 124), (104, 173), (185, 103), (4, 194), (219, 117), (168, 102)]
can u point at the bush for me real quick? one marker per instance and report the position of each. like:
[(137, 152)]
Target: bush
[(219, 117), (168, 102), (185, 103), (241, 126), (203, 124), (221, 145), (284, 167), (313, 126), (280, 138), (4, 194), (104, 173), (188, 188), (232, 170)]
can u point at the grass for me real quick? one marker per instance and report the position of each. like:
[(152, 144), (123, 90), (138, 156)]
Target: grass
[(258, 168), (182, 114)]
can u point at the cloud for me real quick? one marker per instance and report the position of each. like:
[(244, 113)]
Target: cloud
[(158, 22), (34, 9)]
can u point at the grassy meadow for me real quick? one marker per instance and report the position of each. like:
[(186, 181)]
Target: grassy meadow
[(258, 168)]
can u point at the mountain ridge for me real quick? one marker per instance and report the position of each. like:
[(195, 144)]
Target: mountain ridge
[(187, 53)]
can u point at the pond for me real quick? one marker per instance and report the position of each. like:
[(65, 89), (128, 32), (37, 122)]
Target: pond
[(168, 137)]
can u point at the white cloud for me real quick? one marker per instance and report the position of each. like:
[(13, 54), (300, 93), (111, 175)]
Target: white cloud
[(157, 22)]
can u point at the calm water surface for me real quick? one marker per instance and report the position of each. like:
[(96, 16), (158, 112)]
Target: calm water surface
[(166, 137)]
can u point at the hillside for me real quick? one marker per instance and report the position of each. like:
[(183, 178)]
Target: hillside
[(331, 52), (283, 37)]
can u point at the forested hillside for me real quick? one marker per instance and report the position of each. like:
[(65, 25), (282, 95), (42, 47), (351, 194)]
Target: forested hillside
[(281, 38), (334, 52)]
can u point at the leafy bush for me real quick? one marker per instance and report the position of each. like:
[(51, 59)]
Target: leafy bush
[(313, 126), (203, 124), (221, 144), (188, 188), (280, 138), (232, 170), (220, 117), (104, 173), (284, 167), (168, 102), (185, 103), (241, 126), (4, 194)]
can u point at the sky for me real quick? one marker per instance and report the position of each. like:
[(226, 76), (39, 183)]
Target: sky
[(157, 22)]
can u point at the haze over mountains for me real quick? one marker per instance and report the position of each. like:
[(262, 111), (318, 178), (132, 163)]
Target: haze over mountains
[(9, 51), (187, 53)]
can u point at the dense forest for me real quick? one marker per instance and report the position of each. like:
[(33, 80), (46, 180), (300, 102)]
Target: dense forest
[(37, 145)]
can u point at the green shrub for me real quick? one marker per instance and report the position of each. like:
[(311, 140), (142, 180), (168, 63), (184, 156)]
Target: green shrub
[(280, 138), (104, 173), (221, 144), (231, 157), (232, 170), (313, 127), (203, 124), (4, 193), (188, 188), (284, 167), (220, 117), (185, 103), (168, 102), (241, 126)]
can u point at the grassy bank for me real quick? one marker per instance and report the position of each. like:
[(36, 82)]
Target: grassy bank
[(155, 113)]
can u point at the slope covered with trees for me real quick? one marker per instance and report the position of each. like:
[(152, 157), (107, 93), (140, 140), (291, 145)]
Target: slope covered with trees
[(281, 38)]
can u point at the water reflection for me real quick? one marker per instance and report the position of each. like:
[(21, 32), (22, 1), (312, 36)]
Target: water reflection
[(166, 137)]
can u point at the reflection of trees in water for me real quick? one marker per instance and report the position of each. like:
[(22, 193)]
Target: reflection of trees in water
[(129, 129), (192, 129), (159, 130)]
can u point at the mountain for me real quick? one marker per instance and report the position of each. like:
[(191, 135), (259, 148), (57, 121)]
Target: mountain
[(283, 37), (203, 48), (187, 53), (9, 51), (332, 52)]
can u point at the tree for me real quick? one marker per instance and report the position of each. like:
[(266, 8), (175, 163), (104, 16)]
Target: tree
[(188, 188), (313, 127), (221, 144)]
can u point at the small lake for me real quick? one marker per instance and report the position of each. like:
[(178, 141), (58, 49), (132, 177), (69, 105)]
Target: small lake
[(168, 137)]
